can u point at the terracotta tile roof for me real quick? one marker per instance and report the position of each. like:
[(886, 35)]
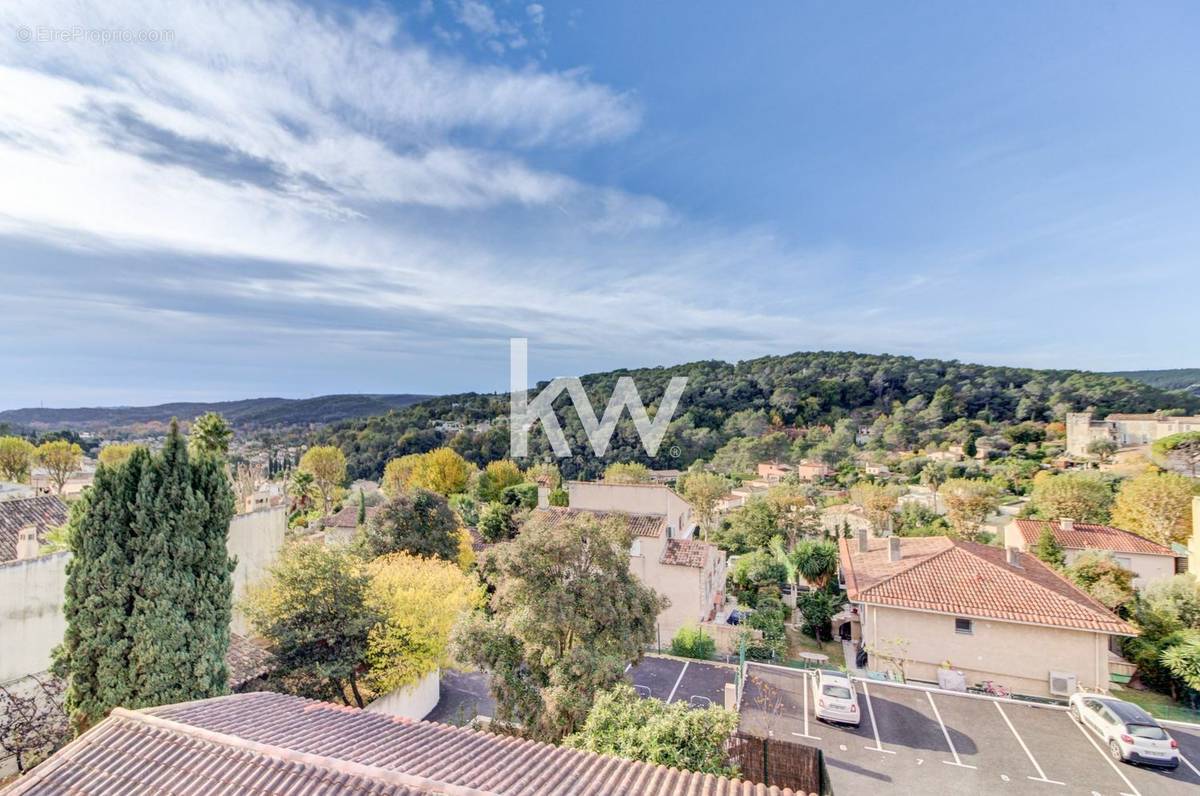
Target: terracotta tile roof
[(348, 517), (685, 553), (272, 744), (1085, 535), (246, 660), (968, 579), (648, 525), (45, 511)]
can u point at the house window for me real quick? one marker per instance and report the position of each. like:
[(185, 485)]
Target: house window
[(636, 548), (1124, 563), (964, 626)]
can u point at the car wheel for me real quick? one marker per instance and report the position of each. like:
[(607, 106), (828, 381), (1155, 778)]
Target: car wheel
[(1114, 749)]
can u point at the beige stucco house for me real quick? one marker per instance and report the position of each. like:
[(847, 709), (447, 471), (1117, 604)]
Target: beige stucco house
[(921, 604), (1124, 430), (664, 553), (1147, 560)]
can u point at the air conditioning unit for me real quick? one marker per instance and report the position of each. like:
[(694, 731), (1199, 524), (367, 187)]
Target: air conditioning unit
[(1062, 684)]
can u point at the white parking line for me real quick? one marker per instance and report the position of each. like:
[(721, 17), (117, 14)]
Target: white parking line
[(678, 680), (1132, 790), (1041, 777), (808, 683), (937, 714), (628, 666), (878, 747), (1189, 764)]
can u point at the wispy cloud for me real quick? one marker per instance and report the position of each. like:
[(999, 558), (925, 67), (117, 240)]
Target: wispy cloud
[(276, 172)]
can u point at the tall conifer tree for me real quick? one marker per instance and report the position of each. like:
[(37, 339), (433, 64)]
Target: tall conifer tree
[(149, 589)]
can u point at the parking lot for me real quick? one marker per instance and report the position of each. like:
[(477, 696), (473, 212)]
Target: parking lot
[(672, 680), (465, 695), (916, 740)]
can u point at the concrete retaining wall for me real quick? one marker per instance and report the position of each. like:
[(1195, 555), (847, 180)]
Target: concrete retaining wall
[(414, 702)]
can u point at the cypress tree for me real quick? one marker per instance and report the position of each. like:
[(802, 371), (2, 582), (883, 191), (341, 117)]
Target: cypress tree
[(1049, 550), (149, 589)]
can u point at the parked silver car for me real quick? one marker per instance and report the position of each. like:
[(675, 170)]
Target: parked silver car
[(1131, 734)]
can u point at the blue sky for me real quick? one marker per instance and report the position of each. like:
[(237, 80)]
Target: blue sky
[(297, 199)]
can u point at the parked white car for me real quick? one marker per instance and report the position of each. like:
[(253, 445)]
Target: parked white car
[(836, 699), (1131, 734)]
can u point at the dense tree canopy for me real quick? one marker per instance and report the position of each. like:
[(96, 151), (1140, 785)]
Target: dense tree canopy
[(1157, 506), (314, 612), (622, 723), (566, 616), (919, 397), (417, 521), (1081, 496)]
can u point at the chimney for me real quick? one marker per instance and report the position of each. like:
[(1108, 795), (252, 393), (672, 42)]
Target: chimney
[(27, 543), (864, 541), (1014, 556), (893, 548), (1067, 524)]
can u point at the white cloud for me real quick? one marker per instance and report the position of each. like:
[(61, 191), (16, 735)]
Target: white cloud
[(402, 181)]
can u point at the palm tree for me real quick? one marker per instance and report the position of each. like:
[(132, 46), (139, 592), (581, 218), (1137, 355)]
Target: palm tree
[(302, 487), (210, 434), (815, 561)]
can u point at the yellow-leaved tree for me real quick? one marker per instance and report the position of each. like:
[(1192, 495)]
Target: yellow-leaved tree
[(60, 458), (16, 459), (441, 470), (1156, 505), (327, 465), (397, 473), (419, 599), (117, 453)]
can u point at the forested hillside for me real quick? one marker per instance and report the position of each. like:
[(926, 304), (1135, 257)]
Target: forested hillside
[(249, 414), (795, 405), (1175, 379)]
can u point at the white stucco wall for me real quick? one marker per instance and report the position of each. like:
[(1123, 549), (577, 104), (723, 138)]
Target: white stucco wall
[(31, 617), (414, 702), (31, 592), (255, 539)]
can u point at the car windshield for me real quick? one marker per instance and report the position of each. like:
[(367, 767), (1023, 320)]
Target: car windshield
[(1150, 731), (836, 691)]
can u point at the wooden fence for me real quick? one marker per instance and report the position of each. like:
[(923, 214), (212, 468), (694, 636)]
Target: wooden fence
[(780, 763)]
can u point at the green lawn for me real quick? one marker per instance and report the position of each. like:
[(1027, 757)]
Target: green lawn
[(798, 642), (1156, 704)]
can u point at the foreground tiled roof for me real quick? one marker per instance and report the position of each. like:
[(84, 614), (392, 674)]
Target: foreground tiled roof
[(246, 660), (1085, 535), (685, 553), (272, 744), (649, 525), (968, 579), (45, 511)]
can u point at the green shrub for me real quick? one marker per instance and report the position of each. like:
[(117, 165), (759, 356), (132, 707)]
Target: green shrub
[(692, 642)]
